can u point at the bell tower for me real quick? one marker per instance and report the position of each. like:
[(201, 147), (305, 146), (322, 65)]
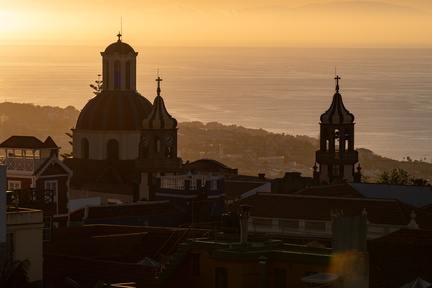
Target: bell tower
[(336, 157), (157, 146)]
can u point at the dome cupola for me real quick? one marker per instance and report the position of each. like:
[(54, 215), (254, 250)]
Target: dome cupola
[(114, 111), (337, 113), (119, 47), (119, 66)]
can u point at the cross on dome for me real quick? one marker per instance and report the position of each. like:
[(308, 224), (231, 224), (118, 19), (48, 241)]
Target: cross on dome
[(337, 78), (158, 89), (119, 36)]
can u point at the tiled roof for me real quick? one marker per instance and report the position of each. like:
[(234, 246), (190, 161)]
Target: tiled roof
[(234, 189), (417, 196), (95, 173), (28, 142), (286, 206), (125, 210), (209, 166), (336, 190), (400, 257)]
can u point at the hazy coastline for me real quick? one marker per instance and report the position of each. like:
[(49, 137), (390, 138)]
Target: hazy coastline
[(279, 89)]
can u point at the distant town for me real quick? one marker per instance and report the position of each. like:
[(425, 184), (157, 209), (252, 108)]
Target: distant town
[(251, 151)]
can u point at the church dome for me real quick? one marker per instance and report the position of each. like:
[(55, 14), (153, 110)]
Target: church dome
[(159, 118), (337, 113), (119, 47), (114, 111)]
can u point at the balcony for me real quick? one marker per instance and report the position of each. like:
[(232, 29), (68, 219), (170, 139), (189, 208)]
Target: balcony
[(21, 163), (337, 158)]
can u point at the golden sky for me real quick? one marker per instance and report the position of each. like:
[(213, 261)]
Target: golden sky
[(220, 23)]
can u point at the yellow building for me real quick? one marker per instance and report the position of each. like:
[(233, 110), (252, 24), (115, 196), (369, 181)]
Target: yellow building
[(20, 233), (24, 238)]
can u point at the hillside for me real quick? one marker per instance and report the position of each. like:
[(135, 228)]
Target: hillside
[(252, 151)]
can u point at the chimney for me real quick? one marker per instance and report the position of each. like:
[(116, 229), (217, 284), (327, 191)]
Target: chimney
[(244, 223)]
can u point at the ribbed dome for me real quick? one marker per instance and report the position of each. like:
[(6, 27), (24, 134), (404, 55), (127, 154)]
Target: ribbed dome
[(337, 113), (114, 111), (119, 47), (159, 118)]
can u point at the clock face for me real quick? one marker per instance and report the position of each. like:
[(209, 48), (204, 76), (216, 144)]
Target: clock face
[(144, 140), (169, 140)]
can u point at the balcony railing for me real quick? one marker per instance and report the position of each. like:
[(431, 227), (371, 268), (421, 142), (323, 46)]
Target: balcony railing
[(30, 196), (311, 227), (22, 164)]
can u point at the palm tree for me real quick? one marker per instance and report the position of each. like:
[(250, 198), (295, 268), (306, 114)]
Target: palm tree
[(15, 275)]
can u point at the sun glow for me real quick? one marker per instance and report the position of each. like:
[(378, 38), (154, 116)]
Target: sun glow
[(197, 23)]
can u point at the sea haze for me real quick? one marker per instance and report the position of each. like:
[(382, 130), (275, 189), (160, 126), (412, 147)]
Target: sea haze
[(283, 90)]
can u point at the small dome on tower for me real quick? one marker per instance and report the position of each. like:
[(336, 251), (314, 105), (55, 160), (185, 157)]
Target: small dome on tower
[(159, 118), (337, 113), (119, 47)]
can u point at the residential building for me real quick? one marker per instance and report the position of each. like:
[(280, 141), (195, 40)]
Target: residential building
[(36, 178)]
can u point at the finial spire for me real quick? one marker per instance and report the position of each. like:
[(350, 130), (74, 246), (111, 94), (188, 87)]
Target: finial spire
[(337, 78), (158, 88), (119, 36)]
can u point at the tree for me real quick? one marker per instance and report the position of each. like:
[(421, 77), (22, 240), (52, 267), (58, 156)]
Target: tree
[(399, 176), (70, 135), (98, 86), (15, 274)]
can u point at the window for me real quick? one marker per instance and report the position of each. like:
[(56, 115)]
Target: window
[(106, 78), (14, 185), (47, 228), (157, 144), (84, 148), (52, 186), (112, 150), (117, 75), (7, 249), (128, 75), (221, 277)]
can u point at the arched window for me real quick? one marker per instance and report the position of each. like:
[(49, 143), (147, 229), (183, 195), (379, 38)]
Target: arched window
[(347, 140), (337, 139), (157, 144), (106, 74), (128, 75), (169, 152), (112, 150), (117, 75), (84, 148)]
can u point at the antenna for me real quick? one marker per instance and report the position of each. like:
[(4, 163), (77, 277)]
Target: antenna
[(335, 71), (121, 25)]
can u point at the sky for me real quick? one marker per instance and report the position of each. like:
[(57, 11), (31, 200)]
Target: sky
[(218, 23)]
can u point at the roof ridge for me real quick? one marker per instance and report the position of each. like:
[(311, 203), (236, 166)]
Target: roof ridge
[(130, 204), (328, 197)]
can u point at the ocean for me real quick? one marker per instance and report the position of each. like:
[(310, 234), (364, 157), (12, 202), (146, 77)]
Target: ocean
[(283, 90)]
